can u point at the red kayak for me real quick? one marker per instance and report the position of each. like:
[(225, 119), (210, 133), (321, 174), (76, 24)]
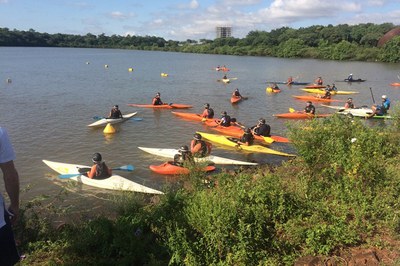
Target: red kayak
[(395, 84), (164, 106), (170, 169), (314, 98), (235, 99), (315, 86), (300, 115), (193, 117)]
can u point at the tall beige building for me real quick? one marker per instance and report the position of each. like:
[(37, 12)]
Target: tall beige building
[(224, 32)]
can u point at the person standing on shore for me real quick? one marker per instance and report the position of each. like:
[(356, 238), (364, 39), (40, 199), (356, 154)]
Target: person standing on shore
[(8, 251)]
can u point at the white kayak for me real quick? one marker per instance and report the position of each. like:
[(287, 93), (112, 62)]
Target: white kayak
[(169, 153), (115, 182), (105, 121), (358, 112)]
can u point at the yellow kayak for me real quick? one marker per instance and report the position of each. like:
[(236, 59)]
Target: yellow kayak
[(226, 140), (322, 91)]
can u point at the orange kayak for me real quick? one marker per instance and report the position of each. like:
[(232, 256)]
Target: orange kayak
[(395, 84), (235, 99), (300, 115), (315, 86), (164, 106), (170, 169), (314, 98), (237, 132), (193, 116)]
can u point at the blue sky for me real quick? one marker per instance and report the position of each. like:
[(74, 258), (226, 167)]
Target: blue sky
[(188, 19)]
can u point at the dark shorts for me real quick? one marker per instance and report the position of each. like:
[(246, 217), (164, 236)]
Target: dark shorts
[(8, 251)]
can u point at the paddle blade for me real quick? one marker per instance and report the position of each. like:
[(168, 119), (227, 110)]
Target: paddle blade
[(125, 168), (268, 140), (64, 176), (291, 110), (136, 119)]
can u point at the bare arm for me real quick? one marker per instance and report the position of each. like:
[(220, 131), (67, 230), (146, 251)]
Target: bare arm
[(11, 182)]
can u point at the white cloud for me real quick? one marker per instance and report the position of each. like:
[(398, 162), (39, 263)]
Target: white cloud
[(120, 16), (194, 4), (240, 2)]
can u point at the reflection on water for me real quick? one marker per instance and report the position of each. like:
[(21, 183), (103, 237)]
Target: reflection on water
[(54, 95)]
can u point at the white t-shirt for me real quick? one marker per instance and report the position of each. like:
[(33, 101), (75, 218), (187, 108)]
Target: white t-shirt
[(6, 154)]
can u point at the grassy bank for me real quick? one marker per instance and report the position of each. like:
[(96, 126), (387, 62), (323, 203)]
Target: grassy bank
[(342, 191)]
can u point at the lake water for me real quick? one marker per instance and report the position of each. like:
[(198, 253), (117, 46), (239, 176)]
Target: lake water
[(55, 92)]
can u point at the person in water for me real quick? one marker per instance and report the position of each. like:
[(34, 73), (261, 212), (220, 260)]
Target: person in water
[(319, 81), (334, 87), (99, 169), (157, 99), (310, 108), (261, 129), (224, 77), (115, 113), (183, 156), (349, 104), (247, 138), (225, 120), (198, 147), (275, 87), (381, 109), (290, 80), (208, 111)]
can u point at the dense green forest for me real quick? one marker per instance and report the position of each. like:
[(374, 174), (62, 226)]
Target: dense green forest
[(341, 42)]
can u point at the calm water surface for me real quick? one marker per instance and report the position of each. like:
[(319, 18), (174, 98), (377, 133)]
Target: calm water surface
[(55, 92)]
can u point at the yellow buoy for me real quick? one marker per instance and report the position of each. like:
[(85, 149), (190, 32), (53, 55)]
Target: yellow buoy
[(269, 89), (164, 75), (105, 66), (130, 69), (109, 129)]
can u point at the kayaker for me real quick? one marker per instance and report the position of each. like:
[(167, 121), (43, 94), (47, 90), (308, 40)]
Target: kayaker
[(275, 87), (8, 250), (208, 112), (247, 138), (350, 77), (381, 109), (157, 99), (225, 120), (99, 170), (334, 87), (319, 81), (289, 80), (310, 108), (225, 77), (327, 94), (198, 147), (183, 156), (115, 113), (236, 93), (261, 129), (349, 104)]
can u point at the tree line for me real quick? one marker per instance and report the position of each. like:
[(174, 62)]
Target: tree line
[(341, 42)]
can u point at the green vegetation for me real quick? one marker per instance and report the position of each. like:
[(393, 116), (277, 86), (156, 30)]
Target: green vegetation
[(341, 42), (340, 192)]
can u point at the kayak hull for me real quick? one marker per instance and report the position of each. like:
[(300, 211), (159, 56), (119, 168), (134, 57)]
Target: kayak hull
[(115, 182), (225, 140), (300, 115), (395, 84), (169, 153), (313, 98), (105, 121), (295, 83), (192, 116), (171, 169), (322, 91), (235, 99), (354, 80), (162, 106), (315, 86)]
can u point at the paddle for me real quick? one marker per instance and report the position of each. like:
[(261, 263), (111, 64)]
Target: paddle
[(132, 118), (127, 167), (372, 95)]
